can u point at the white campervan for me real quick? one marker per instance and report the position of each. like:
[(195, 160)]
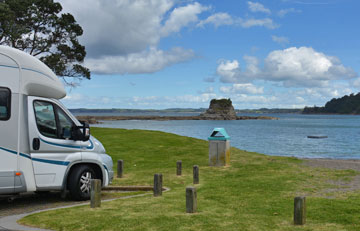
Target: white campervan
[(43, 147)]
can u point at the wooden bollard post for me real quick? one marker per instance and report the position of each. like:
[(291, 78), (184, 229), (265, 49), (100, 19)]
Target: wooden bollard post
[(178, 167), (120, 167), (95, 193), (191, 200), (299, 210), (196, 174), (157, 185)]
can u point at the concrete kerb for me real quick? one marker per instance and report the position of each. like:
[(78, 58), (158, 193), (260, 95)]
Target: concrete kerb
[(10, 222)]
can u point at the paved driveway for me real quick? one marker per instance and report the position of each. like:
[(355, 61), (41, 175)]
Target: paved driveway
[(32, 202)]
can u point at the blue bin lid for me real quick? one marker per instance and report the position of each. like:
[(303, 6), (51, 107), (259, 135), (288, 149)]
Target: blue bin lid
[(219, 134)]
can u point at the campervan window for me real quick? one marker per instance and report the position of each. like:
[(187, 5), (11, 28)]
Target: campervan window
[(52, 121), (5, 102)]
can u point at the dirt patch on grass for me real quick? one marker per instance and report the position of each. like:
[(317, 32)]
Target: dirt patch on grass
[(339, 186), (334, 164), (344, 186)]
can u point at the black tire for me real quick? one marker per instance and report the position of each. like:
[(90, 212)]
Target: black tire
[(79, 182)]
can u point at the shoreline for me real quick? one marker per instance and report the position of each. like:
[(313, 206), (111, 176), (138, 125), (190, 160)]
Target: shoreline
[(96, 119)]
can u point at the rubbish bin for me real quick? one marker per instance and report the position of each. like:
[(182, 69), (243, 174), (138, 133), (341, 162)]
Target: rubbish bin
[(219, 147)]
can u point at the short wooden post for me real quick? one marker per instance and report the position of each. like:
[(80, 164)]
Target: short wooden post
[(191, 200), (157, 184), (95, 193), (120, 167), (196, 174), (178, 167), (299, 210)]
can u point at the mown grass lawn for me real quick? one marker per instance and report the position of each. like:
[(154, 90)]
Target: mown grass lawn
[(255, 192)]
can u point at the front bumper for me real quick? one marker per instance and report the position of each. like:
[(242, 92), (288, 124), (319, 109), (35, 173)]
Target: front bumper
[(111, 176), (108, 165)]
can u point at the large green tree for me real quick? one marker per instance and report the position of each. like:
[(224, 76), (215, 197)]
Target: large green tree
[(38, 28)]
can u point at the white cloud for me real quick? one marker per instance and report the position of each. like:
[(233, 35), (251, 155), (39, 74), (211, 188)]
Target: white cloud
[(324, 93), (203, 98), (230, 71), (293, 67), (254, 99), (279, 39), (181, 17), (258, 7), (284, 12), (224, 19), (265, 22), (252, 65), (118, 27), (118, 33), (304, 67), (125, 27), (218, 19), (245, 88), (148, 61)]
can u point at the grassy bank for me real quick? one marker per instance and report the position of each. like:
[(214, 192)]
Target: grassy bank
[(254, 193)]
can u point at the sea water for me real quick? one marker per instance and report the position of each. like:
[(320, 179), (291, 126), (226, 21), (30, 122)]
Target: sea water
[(286, 136)]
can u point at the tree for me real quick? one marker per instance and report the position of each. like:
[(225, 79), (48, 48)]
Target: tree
[(38, 28)]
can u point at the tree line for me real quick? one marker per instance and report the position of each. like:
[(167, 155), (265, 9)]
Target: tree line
[(348, 104), (39, 28)]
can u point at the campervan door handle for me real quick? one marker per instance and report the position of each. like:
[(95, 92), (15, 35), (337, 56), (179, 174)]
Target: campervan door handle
[(36, 143)]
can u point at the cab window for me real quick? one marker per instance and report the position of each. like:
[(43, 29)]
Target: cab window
[(5, 103), (65, 124), (45, 119), (52, 121)]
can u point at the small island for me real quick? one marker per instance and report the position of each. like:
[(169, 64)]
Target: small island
[(219, 109)]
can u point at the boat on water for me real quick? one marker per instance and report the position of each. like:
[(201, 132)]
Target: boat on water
[(317, 137)]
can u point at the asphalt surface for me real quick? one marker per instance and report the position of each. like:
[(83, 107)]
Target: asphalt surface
[(26, 202), (30, 202)]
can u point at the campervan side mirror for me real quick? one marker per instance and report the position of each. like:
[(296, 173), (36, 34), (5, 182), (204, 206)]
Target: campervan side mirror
[(81, 132)]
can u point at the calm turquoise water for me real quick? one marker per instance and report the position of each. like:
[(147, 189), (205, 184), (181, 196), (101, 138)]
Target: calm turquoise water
[(284, 137)]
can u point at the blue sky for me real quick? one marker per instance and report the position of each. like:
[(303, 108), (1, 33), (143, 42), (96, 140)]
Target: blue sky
[(181, 54)]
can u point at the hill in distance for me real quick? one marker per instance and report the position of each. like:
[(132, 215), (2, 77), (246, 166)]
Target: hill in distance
[(348, 104)]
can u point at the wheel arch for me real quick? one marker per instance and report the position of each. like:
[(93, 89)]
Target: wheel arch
[(98, 169)]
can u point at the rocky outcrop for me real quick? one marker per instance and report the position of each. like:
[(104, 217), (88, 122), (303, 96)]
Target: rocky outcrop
[(220, 109)]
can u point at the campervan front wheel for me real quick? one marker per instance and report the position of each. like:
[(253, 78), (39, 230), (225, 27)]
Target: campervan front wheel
[(80, 182)]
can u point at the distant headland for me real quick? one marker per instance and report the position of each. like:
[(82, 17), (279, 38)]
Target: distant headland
[(219, 109), (348, 104)]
